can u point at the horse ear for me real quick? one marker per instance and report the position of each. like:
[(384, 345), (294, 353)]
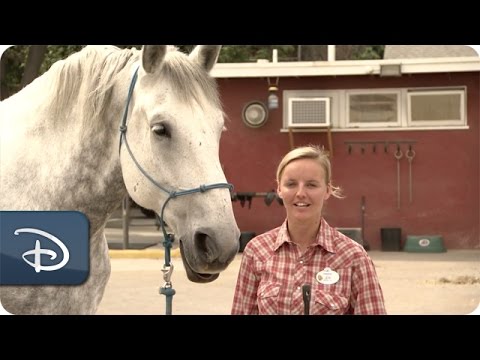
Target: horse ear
[(206, 55), (152, 57)]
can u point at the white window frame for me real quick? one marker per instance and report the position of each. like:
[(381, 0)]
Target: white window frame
[(451, 122), (379, 124), (339, 110)]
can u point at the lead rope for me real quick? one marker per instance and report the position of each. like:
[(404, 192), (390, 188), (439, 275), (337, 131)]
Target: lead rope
[(167, 269), (168, 239)]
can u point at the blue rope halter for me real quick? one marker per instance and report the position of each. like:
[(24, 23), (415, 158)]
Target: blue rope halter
[(168, 239)]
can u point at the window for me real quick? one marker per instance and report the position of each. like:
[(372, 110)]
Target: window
[(373, 108), (440, 107)]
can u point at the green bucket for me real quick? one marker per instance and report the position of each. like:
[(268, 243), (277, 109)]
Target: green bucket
[(424, 244)]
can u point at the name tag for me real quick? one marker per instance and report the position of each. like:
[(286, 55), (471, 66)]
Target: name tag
[(327, 276)]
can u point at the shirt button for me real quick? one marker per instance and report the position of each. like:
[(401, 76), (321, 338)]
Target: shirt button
[(298, 287), (301, 261)]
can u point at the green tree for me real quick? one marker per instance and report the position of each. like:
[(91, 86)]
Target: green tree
[(251, 53), (342, 52), (12, 67), (21, 64), (55, 53), (370, 52)]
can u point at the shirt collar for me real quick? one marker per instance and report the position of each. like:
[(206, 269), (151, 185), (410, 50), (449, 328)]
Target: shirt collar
[(325, 236)]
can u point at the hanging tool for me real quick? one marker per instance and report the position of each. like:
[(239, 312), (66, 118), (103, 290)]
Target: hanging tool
[(410, 154), (245, 196), (398, 155), (270, 197)]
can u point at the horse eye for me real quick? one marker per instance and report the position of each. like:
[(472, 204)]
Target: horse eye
[(161, 130)]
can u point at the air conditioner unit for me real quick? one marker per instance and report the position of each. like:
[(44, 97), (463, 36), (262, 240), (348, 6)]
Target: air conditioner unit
[(309, 112)]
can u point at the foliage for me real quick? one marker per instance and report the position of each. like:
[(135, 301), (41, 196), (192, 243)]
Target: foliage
[(15, 57), (370, 52), (58, 52), (250, 53)]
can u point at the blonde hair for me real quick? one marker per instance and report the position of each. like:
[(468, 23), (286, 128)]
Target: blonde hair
[(311, 152)]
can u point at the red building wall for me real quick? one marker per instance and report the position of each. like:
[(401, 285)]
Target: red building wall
[(446, 169)]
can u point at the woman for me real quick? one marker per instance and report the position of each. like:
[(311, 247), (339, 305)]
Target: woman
[(305, 266)]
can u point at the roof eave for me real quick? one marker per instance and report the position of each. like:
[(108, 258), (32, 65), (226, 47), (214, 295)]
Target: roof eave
[(339, 68)]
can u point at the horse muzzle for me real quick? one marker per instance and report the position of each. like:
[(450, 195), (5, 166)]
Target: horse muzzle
[(204, 256)]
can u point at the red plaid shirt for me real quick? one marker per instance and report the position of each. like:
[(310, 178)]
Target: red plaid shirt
[(273, 271)]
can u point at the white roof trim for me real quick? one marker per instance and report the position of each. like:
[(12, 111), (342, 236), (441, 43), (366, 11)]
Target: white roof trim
[(335, 68)]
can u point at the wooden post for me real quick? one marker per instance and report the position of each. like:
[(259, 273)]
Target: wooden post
[(329, 139), (290, 137), (330, 142)]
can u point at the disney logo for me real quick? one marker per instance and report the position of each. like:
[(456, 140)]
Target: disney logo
[(38, 251)]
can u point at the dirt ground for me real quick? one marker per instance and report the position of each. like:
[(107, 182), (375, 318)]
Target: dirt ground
[(413, 283)]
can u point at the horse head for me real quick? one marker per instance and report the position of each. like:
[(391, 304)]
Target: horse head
[(172, 144)]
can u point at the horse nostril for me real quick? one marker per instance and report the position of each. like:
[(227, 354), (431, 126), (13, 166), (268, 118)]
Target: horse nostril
[(201, 241), (206, 246)]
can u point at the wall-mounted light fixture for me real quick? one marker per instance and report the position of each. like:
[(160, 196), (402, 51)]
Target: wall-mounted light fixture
[(272, 94), (390, 70), (255, 114)]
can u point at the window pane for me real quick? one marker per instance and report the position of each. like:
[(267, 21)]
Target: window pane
[(372, 108), (436, 107)]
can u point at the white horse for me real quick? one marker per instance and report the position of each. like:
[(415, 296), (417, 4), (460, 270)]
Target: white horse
[(59, 150)]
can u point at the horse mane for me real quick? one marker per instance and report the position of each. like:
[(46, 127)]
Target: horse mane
[(188, 80), (80, 86), (86, 77)]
